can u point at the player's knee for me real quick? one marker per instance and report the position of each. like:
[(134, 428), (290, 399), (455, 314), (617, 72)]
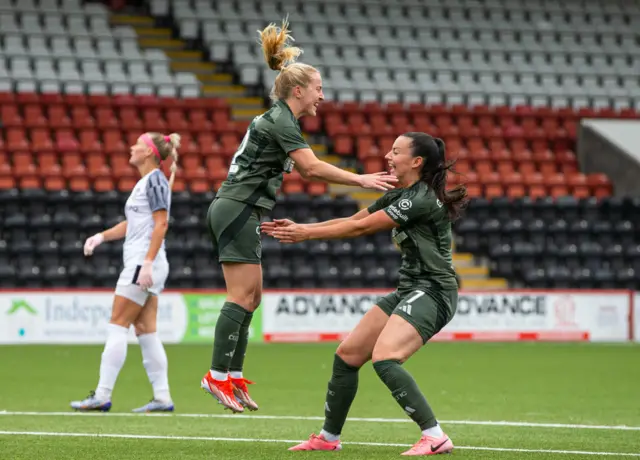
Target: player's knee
[(257, 298), (121, 318), (142, 328), (352, 354), (384, 352)]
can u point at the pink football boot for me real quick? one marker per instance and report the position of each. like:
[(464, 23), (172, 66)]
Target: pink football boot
[(429, 445), (318, 443)]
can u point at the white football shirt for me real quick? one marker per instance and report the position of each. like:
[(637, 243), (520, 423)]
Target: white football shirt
[(150, 194)]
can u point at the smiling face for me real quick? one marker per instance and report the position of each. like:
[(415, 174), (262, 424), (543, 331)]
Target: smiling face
[(310, 96), (401, 161)]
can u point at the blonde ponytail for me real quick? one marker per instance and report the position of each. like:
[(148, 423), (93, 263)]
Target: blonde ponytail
[(279, 55), (174, 140), (277, 52)]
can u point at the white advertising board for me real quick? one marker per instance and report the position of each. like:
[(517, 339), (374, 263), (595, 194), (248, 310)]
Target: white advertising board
[(76, 317), (313, 316), (496, 316), (79, 316)]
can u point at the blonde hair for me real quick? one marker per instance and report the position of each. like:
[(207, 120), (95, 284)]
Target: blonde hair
[(279, 55), (168, 148)]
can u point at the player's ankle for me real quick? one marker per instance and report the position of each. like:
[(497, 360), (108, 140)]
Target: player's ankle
[(329, 436), (217, 375)]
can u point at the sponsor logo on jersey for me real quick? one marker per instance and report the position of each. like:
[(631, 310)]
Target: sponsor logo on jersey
[(396, 214), (405, 204)]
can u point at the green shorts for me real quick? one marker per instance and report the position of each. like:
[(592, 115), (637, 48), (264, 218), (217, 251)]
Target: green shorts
[(428, 310), (234, 228)]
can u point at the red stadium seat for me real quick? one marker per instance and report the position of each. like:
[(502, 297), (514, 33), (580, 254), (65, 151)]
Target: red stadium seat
[(34, 117), (58, 117), (15, 139), (66, 141), (7, 182), (79, 184), (30, 182), (81, 117), (126, 184), (55, 183), (41, 141), (199, 186), (317, 188), (103, 184), (343, 145)]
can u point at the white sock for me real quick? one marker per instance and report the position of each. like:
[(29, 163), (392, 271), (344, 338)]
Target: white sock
[(236, 374), (154, 360), (219, 375), (434, 432), (113, 357), (329, 436)]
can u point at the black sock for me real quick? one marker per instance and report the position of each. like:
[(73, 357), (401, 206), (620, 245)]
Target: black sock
[(341, 392), (226, 335), (406, 392)]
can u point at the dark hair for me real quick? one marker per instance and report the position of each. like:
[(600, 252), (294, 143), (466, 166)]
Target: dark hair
[(434, 172)]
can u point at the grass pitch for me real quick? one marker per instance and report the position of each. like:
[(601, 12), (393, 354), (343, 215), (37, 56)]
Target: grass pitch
[(498, 401)]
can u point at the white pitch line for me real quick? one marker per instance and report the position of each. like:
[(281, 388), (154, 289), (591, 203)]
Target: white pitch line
[(316, 418), (292, 441)]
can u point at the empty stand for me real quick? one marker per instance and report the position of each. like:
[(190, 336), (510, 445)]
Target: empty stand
[(573, 53), (564, 243), (58, 221), (499, 150), (71, 47)]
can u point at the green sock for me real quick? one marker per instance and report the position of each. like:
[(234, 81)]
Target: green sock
[(341, 392), (241, 347), (226, 335), (406, 392)]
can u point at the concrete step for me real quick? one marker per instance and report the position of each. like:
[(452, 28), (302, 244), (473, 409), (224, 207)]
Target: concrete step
[(131, 20), (245, 101), (223, 90), (185, 55), (332, 159), (215, 78), (462, 259), (196, 67), (145, 31), (167, 44), (472, 271), (484, 284), (320, 150)]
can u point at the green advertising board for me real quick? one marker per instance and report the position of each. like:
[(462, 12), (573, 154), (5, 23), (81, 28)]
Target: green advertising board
[(202, 314)]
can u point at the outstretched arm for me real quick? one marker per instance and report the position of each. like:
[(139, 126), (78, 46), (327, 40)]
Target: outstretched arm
[(357, 216), (269, 227), (312, 168), (349, 228)]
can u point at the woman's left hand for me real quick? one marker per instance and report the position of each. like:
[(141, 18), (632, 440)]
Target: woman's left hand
[(144, 277)]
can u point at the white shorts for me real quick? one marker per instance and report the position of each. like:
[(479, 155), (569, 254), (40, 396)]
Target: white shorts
[(126, 286)]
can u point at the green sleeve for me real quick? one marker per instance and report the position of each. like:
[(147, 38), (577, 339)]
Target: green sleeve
[(379, 204), (289, 138), (409, 209)]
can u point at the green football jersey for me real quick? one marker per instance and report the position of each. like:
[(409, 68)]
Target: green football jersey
[(424, 237), (257, 167)]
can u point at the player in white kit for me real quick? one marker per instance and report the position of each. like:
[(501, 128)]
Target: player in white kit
[(142, 278)]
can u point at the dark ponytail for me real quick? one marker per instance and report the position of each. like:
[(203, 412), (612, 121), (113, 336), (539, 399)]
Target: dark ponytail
[(434, 173)]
